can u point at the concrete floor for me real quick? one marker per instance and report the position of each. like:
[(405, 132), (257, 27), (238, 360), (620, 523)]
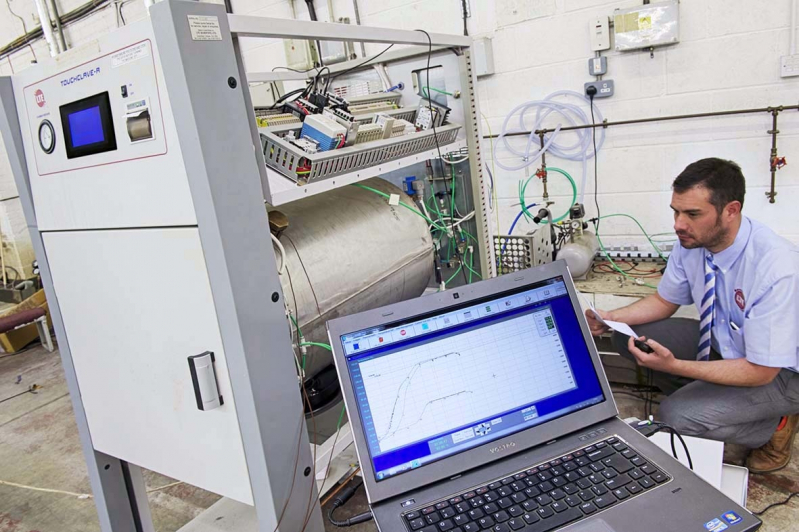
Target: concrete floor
[(39, 447)]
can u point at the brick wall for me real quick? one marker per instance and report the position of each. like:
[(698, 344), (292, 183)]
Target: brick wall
[(728, 58)]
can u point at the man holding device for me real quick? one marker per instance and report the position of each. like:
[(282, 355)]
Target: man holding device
[(734, 375)]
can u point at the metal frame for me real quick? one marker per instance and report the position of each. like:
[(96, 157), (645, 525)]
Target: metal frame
[(228, 200)]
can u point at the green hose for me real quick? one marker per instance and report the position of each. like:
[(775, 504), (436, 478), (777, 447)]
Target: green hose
[(523, 188)]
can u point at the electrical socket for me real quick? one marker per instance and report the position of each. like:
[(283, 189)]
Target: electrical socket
[(604, 88)]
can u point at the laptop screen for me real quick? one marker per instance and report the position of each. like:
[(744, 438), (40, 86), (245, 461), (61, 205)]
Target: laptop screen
[(436, 385)]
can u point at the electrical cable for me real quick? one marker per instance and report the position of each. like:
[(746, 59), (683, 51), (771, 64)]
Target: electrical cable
[(344, 496), (448, 162), (24, 31), (770, 506), (82, 496), (311, 501), (294, 474), (438, 147), (426, 91), (495, 204), (613, 263), (639, 397), (330, 78), (596, 164), (77, 14), (465, 11), (329, 462), (342, 485), (317, 344), (682, 441), (282, 251), (572, 114)]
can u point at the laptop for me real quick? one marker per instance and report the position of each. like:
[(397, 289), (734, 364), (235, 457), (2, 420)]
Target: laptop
[(486, 408)]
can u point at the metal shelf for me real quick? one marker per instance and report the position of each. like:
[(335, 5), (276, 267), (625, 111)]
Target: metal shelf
[(283, 190), (285, 157)]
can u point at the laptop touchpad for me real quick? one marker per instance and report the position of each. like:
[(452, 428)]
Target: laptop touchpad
[(591, 525)]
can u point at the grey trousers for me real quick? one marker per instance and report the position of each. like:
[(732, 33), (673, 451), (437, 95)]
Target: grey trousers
[(743, 415)]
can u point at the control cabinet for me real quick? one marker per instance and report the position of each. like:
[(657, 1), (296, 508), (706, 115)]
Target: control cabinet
[(118, 224)]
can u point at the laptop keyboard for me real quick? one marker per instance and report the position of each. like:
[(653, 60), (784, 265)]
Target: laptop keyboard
[(547, 496)]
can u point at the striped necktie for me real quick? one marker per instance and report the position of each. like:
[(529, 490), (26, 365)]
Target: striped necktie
[(706, 313)]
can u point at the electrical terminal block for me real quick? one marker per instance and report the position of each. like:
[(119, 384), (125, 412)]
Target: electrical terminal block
[(374, 107), (369, 133), (282, 119), (402, 127), (386, 123), (306, 144)]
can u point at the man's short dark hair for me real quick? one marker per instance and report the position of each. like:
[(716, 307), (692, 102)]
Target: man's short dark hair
[(722, 178)]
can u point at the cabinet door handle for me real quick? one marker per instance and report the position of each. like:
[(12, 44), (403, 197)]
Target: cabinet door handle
[(203, 378)]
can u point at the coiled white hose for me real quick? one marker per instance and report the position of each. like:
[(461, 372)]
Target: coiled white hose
[(572, 115)]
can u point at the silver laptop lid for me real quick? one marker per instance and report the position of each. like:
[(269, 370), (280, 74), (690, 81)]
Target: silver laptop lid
[(451, 381)]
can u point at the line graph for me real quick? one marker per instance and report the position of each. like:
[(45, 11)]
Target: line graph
[(402, 395), (458, 380)]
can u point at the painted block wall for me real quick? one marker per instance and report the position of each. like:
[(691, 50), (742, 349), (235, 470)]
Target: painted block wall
[(728, 58)]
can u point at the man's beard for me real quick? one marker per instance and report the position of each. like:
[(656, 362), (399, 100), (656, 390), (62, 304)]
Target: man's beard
[(716, 237)]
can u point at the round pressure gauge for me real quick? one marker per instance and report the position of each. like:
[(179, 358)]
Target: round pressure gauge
[(46, 136)]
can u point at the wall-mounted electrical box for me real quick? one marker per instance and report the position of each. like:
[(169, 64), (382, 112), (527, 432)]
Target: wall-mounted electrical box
[(598, 66), (599, 30), (483, 57), (300, 54), (647, 26)]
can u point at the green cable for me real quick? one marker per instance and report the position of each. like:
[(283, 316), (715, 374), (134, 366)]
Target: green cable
[(469, 267), (441, 227), (657, 249), (453, 275), (299, 335), (426, 93), (615, 267), (341, 417), (294, 321), (452, 196), (317, 344), (523, 189), (610, 260), (379, 193)]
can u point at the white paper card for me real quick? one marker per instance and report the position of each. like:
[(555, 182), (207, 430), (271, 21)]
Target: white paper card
[(620, 327), (394, 199), (615, 325)]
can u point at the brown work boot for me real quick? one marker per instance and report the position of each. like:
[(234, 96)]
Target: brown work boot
[(776, 453)]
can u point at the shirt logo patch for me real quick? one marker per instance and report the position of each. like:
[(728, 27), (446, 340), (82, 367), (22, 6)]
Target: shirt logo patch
[(739, 298)]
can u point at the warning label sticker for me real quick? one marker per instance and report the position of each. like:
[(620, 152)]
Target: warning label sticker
[(204, 28), (129, 54)]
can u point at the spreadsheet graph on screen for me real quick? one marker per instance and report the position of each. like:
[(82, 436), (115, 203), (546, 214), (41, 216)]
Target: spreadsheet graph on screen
[(436, 387)]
